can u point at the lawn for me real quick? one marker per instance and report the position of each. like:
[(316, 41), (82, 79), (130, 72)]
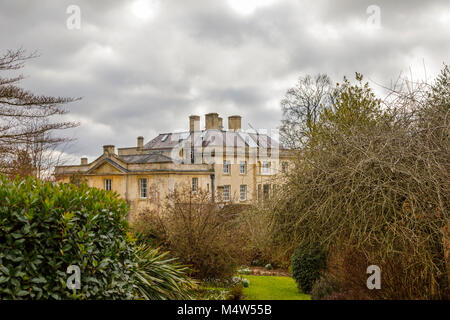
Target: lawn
[(273, 288)]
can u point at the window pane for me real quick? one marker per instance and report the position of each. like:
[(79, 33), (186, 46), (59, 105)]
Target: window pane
[(143, 188), (243, 167), (194, 184), (266, 191), (226, 167), (226, 193), (243, 192), (266, 167)]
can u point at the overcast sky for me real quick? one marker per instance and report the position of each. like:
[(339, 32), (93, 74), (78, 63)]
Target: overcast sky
[(142, 67)]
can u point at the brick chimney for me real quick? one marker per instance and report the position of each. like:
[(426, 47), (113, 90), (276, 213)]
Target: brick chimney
[(109, 149), (212, 121), (140, 143), (234, 123), (194, 123), (84, 161)]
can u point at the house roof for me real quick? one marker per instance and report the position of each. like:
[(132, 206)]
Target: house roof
[(145, 158), (213, 138)]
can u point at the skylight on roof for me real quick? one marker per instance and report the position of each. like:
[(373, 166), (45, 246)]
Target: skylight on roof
[(164, 138)]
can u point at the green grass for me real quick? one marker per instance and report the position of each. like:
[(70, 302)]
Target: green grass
[(273, 288)]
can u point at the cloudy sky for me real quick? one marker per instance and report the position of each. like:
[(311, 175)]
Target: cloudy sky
[(143, 66)]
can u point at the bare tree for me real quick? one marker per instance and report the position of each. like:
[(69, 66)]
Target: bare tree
[(301, 107), (27, 121)]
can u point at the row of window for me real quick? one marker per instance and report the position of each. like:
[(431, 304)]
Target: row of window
[(226, 194), (263, 192), (142, 187), (265, 167), (242, 167)]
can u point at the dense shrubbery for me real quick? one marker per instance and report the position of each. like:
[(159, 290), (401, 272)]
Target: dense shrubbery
[(204, 235), (256, 223), (45, 227), (307, 265), (324, 287), (371, 184)]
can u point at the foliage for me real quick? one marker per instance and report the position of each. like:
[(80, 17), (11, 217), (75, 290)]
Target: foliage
[(244, 270), (45, 227), (268, 266), (374, 179), (324, 287), (307, 265), (257, 225), (161, 278), (204, 235), (236, 292), (273, 288)]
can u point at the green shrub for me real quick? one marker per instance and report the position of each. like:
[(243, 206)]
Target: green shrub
[(268, 266), (161, 278), (307, 265), (324, 287), (46, 227)]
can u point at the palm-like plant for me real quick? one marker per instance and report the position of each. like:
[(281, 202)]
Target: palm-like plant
[(159, 277)]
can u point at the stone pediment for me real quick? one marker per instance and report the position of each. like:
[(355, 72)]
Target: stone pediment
[(106, 167)]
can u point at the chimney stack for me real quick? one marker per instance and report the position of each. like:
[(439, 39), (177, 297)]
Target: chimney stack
[(109, 149), (84, 161), (194, 123), (234, 123), (212, 121), (140, 143)]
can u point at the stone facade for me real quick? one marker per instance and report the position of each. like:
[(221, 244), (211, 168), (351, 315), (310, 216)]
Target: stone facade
[(237, 166)]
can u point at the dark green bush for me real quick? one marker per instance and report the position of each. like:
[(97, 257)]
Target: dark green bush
[(324, 287), (307, 264), (45, 227)]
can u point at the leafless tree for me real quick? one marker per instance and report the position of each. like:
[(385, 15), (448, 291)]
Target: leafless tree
[(301, 107), (28, 122)]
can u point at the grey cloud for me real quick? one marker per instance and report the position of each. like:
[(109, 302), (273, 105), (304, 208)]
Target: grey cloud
[(145, 77)]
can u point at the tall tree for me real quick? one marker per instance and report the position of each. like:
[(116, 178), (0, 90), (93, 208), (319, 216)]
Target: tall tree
[(301, 107), (28, 122)]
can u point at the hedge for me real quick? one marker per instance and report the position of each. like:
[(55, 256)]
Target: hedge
[(46, 227)]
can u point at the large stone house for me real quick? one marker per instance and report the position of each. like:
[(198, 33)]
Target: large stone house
[(233, 164)]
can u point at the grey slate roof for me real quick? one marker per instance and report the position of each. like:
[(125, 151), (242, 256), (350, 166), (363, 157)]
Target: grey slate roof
[(145, 158), (209, 138)]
